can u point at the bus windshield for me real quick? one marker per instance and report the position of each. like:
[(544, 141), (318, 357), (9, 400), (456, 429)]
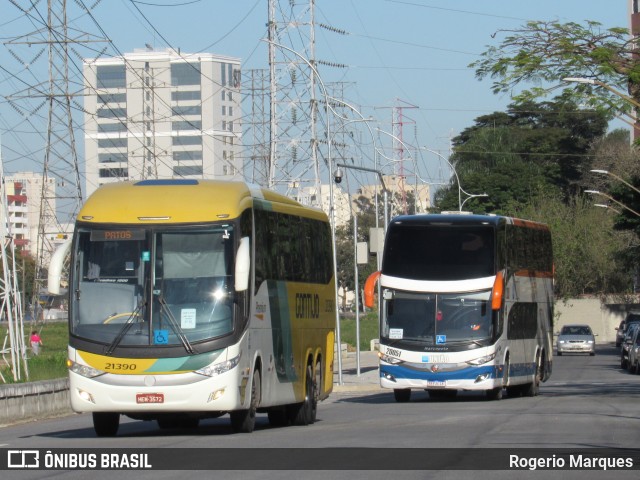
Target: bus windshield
[(436, 319), (439, 252), (142, 286)]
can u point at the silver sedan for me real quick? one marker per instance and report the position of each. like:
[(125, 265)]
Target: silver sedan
[(576, 339)]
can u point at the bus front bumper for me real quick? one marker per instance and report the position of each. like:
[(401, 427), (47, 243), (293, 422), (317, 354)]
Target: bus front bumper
[(469, 378), (97, 394)]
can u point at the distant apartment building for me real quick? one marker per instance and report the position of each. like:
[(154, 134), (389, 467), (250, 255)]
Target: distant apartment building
[(162, 114), (417, 196), (24, 193), (310, 196)]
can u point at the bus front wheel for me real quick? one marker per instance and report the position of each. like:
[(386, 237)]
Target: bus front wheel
[(244, 421), (532, 389), (496, 393), (402, 395), (106, 424)]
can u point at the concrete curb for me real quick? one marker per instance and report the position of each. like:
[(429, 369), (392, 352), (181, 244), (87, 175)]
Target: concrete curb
[(34, 400)]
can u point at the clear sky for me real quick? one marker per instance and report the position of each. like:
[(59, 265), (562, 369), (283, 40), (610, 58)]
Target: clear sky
[(412, 51)]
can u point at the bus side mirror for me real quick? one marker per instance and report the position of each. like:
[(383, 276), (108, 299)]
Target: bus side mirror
[(55, 267), (243, 265), (369, 289)]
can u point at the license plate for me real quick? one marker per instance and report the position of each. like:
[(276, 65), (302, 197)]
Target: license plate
[(436, 383), (150, 398)]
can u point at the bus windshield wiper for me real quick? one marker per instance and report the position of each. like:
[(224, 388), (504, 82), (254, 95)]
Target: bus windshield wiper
[(175, 326), (126, 326)]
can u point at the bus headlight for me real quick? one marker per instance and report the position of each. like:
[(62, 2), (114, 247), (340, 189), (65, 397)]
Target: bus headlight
[(388, 359), (219, 368), (482, 360), (84, 370)]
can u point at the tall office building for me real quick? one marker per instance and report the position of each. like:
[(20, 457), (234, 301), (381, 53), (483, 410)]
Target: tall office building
[(161, 114)]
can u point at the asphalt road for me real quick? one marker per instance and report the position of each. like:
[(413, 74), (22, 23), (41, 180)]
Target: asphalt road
[(588, 403)]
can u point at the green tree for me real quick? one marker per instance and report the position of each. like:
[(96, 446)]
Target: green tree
[(513, 156), (586, 248), (546, 52)]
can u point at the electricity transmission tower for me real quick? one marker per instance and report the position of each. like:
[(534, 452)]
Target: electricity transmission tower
[(293, 105), (10, 303), (61, 193), (255, 84)]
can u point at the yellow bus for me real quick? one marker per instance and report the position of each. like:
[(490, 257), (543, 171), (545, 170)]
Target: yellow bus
[(190, 299)]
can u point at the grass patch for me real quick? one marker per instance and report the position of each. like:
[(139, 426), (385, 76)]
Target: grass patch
[(368, 330), (51, 363)]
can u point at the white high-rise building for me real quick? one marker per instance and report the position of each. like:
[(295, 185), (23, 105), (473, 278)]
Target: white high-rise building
[(162, 114), (24, 198)]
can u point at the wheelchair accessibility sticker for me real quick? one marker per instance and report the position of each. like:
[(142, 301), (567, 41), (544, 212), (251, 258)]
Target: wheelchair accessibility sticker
[(441, 339), (161, 337)]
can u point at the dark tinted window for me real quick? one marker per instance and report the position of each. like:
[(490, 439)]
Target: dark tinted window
[(292, 248), (439, 252), (185, 74), (523, 321), (111, 76)]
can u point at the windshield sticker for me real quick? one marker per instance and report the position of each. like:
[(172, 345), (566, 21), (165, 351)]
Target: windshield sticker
[(441, 339), (188, 318), (146, 256), (161, 337), (396, 333)]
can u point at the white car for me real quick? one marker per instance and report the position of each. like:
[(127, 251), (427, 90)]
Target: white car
[(576, 339)]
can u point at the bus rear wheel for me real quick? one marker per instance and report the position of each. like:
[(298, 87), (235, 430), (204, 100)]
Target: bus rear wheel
[(304, 413), (244, 421), (106, 424)]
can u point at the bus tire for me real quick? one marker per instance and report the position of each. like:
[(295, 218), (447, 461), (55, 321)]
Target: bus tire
[(244, 421), (302, 413), (317, 387), (532, 389), (402, 395), (106, 424), (496, 393)]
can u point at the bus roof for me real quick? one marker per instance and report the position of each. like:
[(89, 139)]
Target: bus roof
[(466, 219), (183, 201)]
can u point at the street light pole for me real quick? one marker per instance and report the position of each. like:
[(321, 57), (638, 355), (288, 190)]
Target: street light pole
[(609, 207), (624, 96), (460, 189), (592, 81), (605, 195), (355, 227), (621, 180)]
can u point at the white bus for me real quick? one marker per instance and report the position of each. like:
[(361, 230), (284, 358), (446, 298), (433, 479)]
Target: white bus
[(466, 304), (189, 299)]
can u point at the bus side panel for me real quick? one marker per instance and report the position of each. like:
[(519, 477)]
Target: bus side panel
[(293, 324)]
